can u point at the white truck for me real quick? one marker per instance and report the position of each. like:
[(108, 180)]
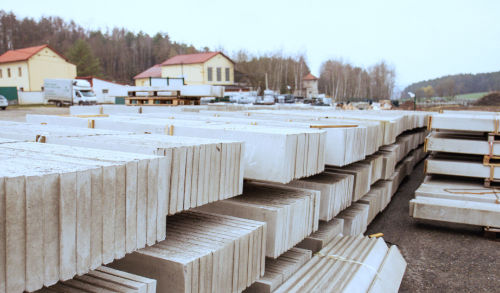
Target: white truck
[(68, 92)]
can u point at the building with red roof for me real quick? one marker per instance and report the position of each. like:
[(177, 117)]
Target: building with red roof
[(144, 78), (309, 87), (207, 68), (27, 68)]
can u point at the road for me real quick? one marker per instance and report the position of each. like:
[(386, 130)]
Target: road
[(441, 257), (17, 113)]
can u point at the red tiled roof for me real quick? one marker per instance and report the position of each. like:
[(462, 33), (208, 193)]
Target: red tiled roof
[(310, 77), (24, 54), (192, 58), (154, 71)]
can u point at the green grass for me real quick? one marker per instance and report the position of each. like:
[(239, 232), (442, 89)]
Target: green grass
[(471, 96)]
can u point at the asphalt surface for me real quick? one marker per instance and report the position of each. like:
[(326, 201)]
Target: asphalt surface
[(441, 257)]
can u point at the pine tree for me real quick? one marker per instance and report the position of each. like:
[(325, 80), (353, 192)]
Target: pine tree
[(86, 63)]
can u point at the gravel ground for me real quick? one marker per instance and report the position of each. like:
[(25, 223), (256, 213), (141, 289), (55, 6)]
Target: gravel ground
[(16, 113), (441, 257)]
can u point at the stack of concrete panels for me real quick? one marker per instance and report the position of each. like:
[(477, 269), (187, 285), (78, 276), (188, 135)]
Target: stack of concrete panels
[(192, 163), (67, 210), (291, 214), (326, 232), (374, 199), (105, 280), (362, 177), (279, 270), (350, 264), (355, 219), (271, 153), (376, 162), (462, 166), (456, 200), (346, 141), (336, 192), (388, 165), (203, 253), (384, 187)]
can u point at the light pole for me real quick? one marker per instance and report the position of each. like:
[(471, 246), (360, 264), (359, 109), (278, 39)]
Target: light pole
[(412, 95)]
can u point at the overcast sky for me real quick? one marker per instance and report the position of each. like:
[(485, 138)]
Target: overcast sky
[(422, 39)]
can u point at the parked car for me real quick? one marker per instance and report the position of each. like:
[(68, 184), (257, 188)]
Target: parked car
[(3, 102)]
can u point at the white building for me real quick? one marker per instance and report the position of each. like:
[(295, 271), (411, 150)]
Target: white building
[(106, 91)]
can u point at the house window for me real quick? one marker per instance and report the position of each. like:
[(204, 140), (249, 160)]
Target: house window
[(209, 72), (105, 91), (219, 74), (227, 74), (20, 71), (1, 73), (8, 72)]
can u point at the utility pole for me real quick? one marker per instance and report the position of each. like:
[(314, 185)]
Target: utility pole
[(412, 95)]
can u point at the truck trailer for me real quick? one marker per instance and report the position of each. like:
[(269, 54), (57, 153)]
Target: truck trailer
[(68, 92)]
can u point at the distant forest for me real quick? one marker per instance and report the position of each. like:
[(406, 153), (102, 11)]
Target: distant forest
[(118, 54), (452, 85)]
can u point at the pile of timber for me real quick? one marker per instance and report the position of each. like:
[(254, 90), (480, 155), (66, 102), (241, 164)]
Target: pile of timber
[(197, 170), (203, 252), (275, 154), (350, 264), (105, 280), (279, 270), (67, 210), (462, 170), (291, 214)]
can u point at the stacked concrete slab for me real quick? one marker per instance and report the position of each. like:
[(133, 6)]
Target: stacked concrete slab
[(67, 210), (198, 170), (105, 280), (350, 264), (279, 270), (209, 250), (336, 192), (203, 253), (291, 214), (355, 219), (326, 232), (275, 154), (461, 169)]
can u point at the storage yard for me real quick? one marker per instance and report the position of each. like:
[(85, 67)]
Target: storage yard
[(232, 198)]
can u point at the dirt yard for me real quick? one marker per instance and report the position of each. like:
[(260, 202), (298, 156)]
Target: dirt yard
[(441, 258), (18, 113)]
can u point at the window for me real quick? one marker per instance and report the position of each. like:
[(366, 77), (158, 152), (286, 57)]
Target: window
[(219, 74), (20, 71), (209, 72), (1, 73), (8, 72), (228, 75), (105, 91)]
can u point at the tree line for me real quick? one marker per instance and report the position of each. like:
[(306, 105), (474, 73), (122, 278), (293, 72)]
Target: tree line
[(452, 85), (343, 81), (118, 54), (115, 54)]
